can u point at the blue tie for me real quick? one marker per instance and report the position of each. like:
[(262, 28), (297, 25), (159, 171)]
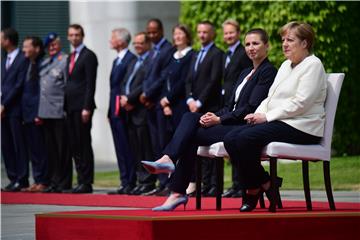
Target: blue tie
[(199, 59), (156, 51), (132, 75), (118, 61), (228, 58)]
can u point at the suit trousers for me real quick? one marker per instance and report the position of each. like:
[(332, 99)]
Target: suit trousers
[(59, 159), (183, 147), (79, 138), (34, 135), (245, 143), (13, 150), (125, 158), (140, 144)]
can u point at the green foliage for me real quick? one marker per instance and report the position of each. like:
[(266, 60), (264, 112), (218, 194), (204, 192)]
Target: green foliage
[(337, 31)]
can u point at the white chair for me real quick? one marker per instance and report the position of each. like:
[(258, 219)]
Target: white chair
[(306, 153)]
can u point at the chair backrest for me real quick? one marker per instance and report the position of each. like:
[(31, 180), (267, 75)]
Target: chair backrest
[(334, 83)]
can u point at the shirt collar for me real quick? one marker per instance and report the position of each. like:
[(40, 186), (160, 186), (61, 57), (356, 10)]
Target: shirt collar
[(182, 53), (144, 55), (121, 53), (233, 47), (13, 54), (79, 48), (158, 45), (207, 47)]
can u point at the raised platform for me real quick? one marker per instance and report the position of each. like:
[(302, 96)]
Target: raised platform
[(293, 224)]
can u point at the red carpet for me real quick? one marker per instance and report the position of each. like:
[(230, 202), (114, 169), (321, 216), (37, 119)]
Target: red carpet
[(104, 200), (208, 225), (293, 222)]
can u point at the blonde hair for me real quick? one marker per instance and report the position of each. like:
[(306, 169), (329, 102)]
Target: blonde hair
[(233, 23), (302, 30)]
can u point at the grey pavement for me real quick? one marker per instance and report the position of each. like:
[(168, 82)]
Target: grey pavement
[(18, 221)]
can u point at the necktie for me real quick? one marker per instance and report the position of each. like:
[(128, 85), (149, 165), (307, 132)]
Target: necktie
[(7, 65), (228, 58), (199, 59), (72, 62), (132, 75), (156, 52), (118, 61)]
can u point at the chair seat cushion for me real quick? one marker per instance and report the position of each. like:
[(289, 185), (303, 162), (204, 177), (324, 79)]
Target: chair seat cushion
[(296, 151), (274, 149)]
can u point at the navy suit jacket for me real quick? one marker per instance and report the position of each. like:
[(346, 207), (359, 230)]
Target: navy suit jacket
[(153, 82), (81, 83), (137, 116), (238, 62), (205, 84), (175, 76), (117, 78), (251, 95), (12, 81), (31, 96)]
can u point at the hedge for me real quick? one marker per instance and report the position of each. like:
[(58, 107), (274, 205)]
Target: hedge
[(337, 44)]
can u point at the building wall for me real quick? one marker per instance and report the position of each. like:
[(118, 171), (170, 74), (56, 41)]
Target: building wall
[(98, 19)]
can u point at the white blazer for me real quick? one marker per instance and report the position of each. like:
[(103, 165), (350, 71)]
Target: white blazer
[(297, 96)]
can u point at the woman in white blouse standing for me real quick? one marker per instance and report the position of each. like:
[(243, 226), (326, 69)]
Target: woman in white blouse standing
[(293, 112)]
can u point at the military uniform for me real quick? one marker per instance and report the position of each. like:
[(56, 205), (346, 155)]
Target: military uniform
[(51, 110)]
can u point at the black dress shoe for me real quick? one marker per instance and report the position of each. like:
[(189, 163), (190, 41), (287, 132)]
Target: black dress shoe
[(121, 190), (16, 187), (52, 189), (251, 201), (205, 190), (153, 191), (165, 192), (146, 189), (83, 188), (211, 192), (229, 193), (8, 187), (238, 194), (135, 190)]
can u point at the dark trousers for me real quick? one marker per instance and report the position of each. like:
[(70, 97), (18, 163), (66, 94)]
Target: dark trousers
[(183, 147), (245, 143), (153, 125), (79, 138), (34, 135), (13, 150), (125, 158), (59, 159), (140, 144), (166, 128)]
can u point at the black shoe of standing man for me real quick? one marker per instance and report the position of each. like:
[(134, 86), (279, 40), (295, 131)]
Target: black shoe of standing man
[(82, 188)]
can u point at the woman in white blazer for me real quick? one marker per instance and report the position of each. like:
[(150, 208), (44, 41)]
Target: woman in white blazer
[(293, 112)]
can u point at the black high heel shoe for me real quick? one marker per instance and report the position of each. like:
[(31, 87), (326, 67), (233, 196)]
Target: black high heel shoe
[(250, 202), (278, 184)]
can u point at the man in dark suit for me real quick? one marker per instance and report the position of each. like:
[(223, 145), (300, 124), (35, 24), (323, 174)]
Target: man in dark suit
[(120, 39), (33, 125), (152, 85), (203, 86), (79, 106), (235, 61), (138, 131), (13, 71)]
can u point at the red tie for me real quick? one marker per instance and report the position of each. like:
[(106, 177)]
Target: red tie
[(72, 62)]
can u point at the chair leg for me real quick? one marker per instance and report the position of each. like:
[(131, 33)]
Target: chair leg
[(305, 172), (327, 180), (273, 174), (261, 201), (219, 165), (198, 183), (279, 202)]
